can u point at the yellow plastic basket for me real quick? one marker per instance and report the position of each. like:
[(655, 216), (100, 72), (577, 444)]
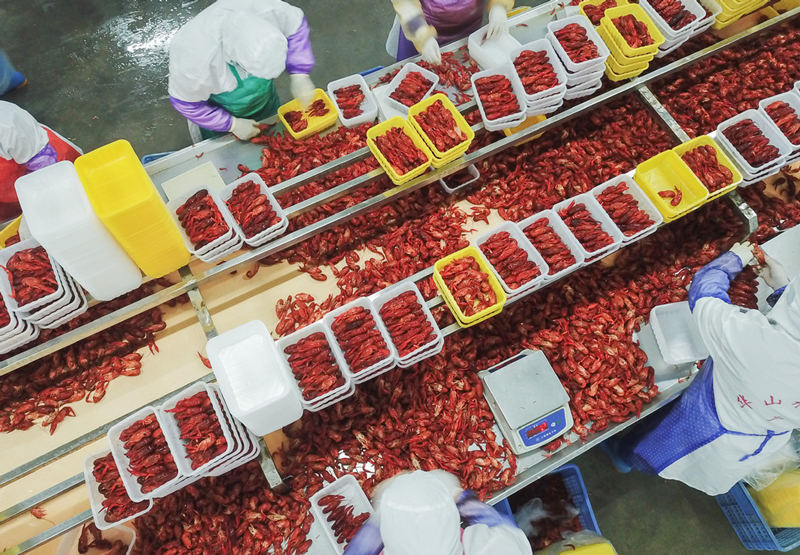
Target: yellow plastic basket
[(663, 172), (463, 320), (532, 120), (315, 124), (126, 201), (620, 62), (408, 129), (638, 12), (10, 230), (441, 158), (585, 3), (722, 159)]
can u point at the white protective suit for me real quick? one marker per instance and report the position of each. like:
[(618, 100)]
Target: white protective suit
[(251, 33), (21, 136)]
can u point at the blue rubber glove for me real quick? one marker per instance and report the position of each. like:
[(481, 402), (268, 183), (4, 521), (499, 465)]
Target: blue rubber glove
[(474, 511), (367, 540), (714, 279)]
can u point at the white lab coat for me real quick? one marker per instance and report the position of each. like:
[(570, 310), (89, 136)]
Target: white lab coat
[(21, 136), (756, 383), (250, 33)]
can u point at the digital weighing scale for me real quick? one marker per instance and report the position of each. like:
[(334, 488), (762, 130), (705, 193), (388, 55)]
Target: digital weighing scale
[(528, 401)]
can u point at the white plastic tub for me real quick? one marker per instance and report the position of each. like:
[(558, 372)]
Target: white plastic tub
[(207, 251), (429, 349), (267, 234), (247, 444), (172, 431), (348, 487), (473, 171), (676, 333), (512, 120), (566, 236), (569, 65), (96, 498), (642, 201), (704, 24), (369, 106), (121, 458), (60, 217), (767, 128), (492, 52), (674, 34), (553, 95), (5, 284), (792, 99), (28, 333), (394, 83), (253, 382), (523, 243), (337, 393), (599, 215), (378, 367)]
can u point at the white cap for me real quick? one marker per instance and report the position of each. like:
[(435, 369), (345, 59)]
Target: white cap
[(482, 540), (418, 516)]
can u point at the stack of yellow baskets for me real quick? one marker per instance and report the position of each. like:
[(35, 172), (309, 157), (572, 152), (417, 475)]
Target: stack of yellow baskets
[(625, 61), (733, 10)]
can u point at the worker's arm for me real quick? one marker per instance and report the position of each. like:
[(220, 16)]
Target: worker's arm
[(204, 114), (22, 139), (714, 279), (412, 20), (775, 276)]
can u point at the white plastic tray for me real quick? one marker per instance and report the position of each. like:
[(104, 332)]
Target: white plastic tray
[(471, 169), (676, 333), (511, 120), (247, 447), (601, 217), (172, 431), (267, 234), (337, 393), (369, 106), (672, 34), (96, 498), (256, 387), (792, 99), (428, 349), (394, 83), (524, 244), (642, 201), (348, 487), (378, 367), (566, 236), (493, 52), (223, 239), (554, 94), (28, 333), (121, 458), (591, 34), (703, 25), (5, 284), (768, 129)]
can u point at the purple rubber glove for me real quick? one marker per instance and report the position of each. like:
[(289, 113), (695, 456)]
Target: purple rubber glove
[(300, 57), (367, 540), (474, 511), (204, 114), (714, 279), (46, 157), (773, 298)]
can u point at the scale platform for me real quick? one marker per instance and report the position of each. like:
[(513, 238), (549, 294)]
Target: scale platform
[(528, 401)]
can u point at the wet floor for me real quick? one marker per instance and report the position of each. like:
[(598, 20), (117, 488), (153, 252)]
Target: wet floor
[(98, 72)]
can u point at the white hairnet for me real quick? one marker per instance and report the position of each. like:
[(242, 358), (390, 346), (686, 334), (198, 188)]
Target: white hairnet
[(418, 516), (249, 33), (21, 136), (482, 540)]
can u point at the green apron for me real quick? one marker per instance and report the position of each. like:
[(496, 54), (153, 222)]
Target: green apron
[(253, 98)]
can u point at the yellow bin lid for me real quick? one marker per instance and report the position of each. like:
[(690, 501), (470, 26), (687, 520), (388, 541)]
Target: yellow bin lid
[(594, 549)]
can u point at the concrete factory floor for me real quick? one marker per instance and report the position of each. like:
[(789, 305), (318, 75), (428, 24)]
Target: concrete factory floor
[(98, 72)]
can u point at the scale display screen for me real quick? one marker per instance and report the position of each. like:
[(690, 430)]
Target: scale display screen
[(543, 429)]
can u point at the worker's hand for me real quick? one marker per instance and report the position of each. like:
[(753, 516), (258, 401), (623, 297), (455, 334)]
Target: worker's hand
[(474, 511), (244, 129), (773, 274), (744, 251), (431, 53), (302, 88), (498, 22)]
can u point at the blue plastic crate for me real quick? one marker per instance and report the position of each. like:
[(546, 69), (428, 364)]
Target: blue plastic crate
[(147, 158), (743, 514), (573, 481)]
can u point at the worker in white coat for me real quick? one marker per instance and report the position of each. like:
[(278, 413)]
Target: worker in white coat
[(25, 146), (222, 64), (742, 407), (421, 513), (422, 25)]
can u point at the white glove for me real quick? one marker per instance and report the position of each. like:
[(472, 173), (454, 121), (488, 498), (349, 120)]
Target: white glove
[(244, 129), (498, 22), (302, 88), (431, 53), (773, 274), (744, 251)]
